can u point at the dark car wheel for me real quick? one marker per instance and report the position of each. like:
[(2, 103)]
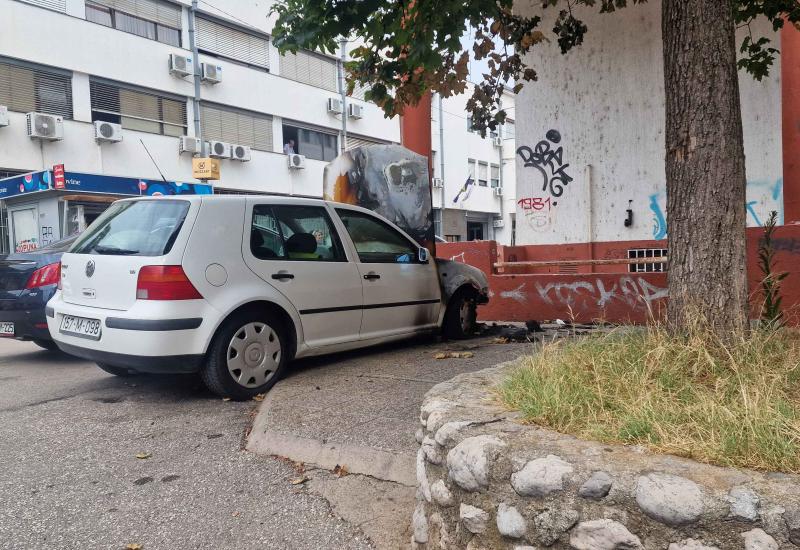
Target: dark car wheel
[(460, 316), (247, 357), (49, 345), (116, 371)]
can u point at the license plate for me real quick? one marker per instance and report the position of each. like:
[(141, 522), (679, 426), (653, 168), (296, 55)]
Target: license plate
[(81, 327), (6, 329)]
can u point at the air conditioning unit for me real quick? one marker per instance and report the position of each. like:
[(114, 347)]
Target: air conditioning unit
[(438, 183), (297, 162), (190, 145), (497, 141), (219, 149), (107, 131), (3, 116), (43, 126), (334, 105), (498, 191), (210, 73), (180, 65), (355, 111), (240, 152), (498, 223)]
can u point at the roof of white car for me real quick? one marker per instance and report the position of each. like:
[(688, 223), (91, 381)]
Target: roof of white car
[(236, 198)]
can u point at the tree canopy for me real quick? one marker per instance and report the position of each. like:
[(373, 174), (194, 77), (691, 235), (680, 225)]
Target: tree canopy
[(412, 47)]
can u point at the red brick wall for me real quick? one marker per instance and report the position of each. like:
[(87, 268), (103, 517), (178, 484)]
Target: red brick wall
[(603, 292)]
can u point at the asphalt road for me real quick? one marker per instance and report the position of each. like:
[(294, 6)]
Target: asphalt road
[(69, 436)]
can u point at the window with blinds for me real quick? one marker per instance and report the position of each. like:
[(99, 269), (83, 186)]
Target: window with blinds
[(237, 127), (57, 5), (494, 175), (509, 129), (226, 41), (471, 169), (359, 92), (313, 144), (357, 141), (152, 19), (137, 109), (310, 68), (24, 89), (483, 170)]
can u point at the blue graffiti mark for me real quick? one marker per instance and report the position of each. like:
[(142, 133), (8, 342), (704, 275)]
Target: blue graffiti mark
[(753, 212), (775, 192), (659, 221)]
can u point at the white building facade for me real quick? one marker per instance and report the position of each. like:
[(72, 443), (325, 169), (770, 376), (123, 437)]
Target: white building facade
[(474, 179), (590, 133), (109, 60)]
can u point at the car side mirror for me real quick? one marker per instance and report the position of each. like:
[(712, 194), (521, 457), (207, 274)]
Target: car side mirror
[(423, 255)]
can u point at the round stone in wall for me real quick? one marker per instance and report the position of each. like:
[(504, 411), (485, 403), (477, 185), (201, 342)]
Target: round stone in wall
[(510, 522), (541, 476), (596, 487), (472, 518), (603, 534), (668, 498)]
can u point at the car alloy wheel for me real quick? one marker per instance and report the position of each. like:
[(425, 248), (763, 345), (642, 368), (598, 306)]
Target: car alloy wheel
[(465, 316), (254, 354)]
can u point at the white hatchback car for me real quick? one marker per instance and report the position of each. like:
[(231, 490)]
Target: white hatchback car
[(236, 286)]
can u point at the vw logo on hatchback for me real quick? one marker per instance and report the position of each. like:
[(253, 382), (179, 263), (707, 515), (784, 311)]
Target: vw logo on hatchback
[(90, 268)]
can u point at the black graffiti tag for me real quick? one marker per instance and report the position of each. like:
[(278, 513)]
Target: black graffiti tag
[(549, 162)]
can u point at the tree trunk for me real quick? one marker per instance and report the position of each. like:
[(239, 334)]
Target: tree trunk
[(705, 167)]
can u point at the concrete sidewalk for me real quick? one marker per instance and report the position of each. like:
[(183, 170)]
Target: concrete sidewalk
[(360, 410)]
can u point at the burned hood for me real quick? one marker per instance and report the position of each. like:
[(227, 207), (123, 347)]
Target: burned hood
[(454, 275)]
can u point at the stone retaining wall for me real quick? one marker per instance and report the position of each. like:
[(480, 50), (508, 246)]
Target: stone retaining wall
[(486, 481)]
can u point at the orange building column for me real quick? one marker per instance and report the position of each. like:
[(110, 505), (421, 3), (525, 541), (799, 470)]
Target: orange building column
[(790, 102), (415, 128)]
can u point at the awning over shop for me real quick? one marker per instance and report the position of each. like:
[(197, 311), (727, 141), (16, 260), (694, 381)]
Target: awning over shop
[(35, 182)]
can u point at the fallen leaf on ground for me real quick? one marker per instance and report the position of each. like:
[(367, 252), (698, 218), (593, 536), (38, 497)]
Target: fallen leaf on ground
[(440, 355), (133, 546), (299, 480), (235, 514), (340, 471), (500, 341), (259, 397), (454, 355), (226, 398), (143, 456)]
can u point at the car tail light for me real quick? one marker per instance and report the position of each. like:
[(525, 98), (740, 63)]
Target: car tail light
[(165, 282), (47, 275)]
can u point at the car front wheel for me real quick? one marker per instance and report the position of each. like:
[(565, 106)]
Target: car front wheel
[(460, 317), (247, 356)]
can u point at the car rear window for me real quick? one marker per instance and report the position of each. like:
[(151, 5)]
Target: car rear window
[(134, 228)]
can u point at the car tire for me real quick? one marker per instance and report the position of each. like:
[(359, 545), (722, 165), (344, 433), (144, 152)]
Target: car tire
[(460, 316), (49, 345), (116, 371), (247, 356)]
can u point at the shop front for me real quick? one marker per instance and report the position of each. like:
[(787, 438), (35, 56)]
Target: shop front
[(41, 207)]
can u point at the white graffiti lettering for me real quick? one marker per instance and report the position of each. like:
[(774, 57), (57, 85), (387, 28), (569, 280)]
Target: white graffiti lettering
[(515, 294), (637, 294)]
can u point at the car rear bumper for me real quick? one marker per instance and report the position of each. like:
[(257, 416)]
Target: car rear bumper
[(169, 364), (163, 337), (29, 324)]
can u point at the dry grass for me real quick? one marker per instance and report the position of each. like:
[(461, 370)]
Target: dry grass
[(732, 405)]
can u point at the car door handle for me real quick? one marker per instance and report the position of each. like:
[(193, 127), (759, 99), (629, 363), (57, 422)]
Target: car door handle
[(281, 276), (371, 276)]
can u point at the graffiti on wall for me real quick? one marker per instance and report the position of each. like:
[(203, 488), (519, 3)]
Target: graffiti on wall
[(764, 197), (636, 293), (768, 196), (549, 162)]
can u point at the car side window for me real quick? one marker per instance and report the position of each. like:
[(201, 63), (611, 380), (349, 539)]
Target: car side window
[(303, 233), (375, 240)]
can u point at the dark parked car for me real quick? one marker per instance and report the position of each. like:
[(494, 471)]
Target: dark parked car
[(27, 281)]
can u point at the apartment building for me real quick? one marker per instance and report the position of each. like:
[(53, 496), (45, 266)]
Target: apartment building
[(474, 182), (115, 76)]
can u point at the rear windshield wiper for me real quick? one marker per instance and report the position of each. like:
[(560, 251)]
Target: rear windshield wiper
[(113, 250)]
